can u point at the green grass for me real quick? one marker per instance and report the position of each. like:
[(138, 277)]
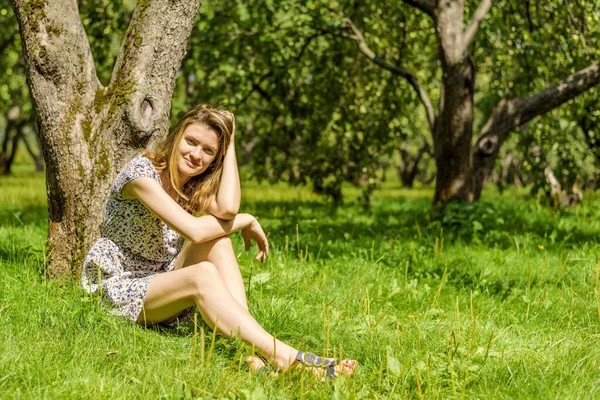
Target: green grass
[(501, 301)]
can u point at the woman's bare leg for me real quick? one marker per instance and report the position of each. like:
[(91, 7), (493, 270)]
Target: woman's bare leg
[(218, 292), (219, 252), (201, 284)]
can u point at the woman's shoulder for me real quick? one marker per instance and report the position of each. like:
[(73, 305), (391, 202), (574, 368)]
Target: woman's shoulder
[(140, 161)]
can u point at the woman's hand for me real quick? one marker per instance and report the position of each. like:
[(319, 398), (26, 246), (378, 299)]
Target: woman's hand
[(255, 232)]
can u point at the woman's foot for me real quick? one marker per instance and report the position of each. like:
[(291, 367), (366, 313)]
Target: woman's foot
[(322, 368), (257, 365), (325, 368)]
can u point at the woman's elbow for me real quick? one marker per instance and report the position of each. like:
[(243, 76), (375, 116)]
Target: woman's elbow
[(227, 213), (227, 216), (196, 238)]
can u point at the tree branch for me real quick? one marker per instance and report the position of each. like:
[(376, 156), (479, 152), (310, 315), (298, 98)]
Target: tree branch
[(412, 80), (510, 114), (147, 65), (427, 6), (479, 15), (50, 29), (62, 81)]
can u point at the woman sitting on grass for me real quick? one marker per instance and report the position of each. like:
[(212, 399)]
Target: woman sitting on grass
[(141, 264)]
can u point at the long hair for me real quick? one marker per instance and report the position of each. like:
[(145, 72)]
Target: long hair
[(196, 195)]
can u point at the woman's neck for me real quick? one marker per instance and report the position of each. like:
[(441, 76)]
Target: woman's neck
[(166, 184)]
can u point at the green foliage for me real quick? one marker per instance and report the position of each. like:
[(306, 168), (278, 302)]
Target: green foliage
[(467, 221), (506, 311), (105, 23), (311, 107)]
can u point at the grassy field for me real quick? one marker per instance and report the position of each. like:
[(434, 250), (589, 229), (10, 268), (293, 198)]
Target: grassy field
[(499, 300)]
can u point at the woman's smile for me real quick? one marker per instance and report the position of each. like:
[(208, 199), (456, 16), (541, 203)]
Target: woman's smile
[(192, 163)]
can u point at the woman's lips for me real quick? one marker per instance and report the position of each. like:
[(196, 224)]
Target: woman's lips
[(192, 164)]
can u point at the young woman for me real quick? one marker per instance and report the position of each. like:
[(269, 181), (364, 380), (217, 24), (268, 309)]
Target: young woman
[(141, 264)]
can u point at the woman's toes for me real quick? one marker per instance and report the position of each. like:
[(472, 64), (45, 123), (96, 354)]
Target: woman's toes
[(348, 366)]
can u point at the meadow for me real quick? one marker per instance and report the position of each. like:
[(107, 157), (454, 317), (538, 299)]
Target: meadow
[(495, 300)]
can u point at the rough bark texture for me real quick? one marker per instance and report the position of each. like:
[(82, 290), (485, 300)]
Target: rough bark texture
[(86, 130)]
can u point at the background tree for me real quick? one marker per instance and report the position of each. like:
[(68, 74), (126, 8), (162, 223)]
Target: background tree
[(316, 81), (16, 122), (461, 167), (88, 129)]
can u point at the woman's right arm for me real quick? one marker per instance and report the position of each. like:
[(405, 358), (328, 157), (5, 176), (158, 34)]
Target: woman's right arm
[(193, 229)]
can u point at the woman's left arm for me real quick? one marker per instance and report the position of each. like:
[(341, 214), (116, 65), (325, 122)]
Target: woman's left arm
[(226, 202)]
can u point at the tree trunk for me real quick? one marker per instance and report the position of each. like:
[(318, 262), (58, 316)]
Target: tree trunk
[(453, 131), (409, 169), (4, 154), (88, 131), (14, 147), (453, 134)]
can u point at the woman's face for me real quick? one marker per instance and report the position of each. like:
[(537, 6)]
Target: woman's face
[(197, 148)]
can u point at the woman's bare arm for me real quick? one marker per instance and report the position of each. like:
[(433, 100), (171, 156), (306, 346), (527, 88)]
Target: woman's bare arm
[(226, 203), (194, 229)]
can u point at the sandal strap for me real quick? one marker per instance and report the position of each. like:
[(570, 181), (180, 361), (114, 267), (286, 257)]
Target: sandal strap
[(310, 359)]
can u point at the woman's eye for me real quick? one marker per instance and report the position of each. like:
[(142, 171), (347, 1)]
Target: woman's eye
[(191, 142), (210, 152)]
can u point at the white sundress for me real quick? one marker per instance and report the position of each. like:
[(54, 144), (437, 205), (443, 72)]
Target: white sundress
[(134, 246)]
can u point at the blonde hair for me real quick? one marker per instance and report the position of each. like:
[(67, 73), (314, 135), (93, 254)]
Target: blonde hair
[(196, 195)]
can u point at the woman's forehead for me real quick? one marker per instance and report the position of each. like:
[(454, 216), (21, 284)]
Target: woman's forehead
[(202, 133)]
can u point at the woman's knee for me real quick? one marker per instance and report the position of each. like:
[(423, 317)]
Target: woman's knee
[(219, 244), (222, 242), (204, 275)]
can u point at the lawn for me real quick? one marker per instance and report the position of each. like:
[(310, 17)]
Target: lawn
[(498, 300)]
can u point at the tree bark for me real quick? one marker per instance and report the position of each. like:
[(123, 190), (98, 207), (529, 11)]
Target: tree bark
[(453, 131), (88, 131)]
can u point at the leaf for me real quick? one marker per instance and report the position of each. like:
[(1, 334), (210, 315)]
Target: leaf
[(259, 279), (394, 366), (563, 123)]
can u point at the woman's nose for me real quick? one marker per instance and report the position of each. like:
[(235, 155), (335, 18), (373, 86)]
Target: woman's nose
[(196, 153)]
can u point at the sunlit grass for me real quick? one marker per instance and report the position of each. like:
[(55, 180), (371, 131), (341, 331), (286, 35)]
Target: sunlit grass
[(499, 301)]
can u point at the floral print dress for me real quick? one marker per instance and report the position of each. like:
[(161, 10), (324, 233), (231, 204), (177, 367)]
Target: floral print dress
[(133, 248)]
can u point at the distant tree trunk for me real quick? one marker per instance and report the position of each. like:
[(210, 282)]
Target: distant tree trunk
[(409, 169), (558, 197), (4, 154), (454, 132), (88, 131), (589, 126), (38, 158), (14, 147)]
